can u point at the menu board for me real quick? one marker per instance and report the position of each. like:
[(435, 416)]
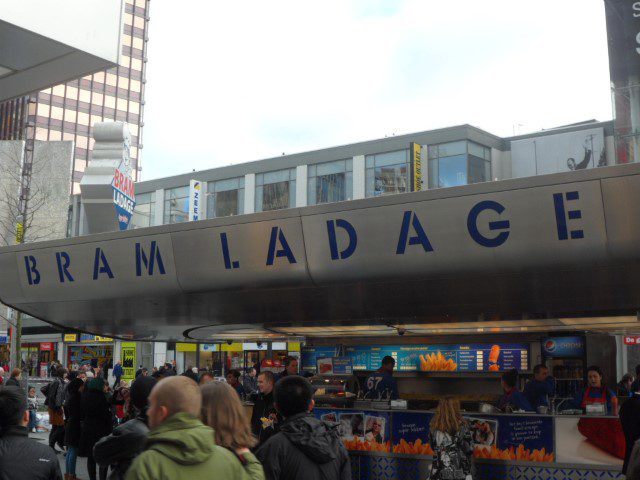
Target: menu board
[(477, 357), (309, 356)]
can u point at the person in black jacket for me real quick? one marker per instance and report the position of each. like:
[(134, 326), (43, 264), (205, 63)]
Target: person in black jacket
[(305, 447), (96, 423), (630, 420), (127, 440), (14, 380), (265, 420), (20, 456), (72, 425)]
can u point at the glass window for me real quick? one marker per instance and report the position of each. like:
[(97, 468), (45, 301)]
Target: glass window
[(144, 211), (276, 190), (479, 170), (452, 171), (225, 197), (330, 182), (451, 165), (176, 205), (387, 173)]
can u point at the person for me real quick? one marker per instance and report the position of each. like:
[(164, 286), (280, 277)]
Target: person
[(192, 373), (206, 377), (451, 440), (630, 421), (72, 426), (512, 398), (20, 456), (14, 379), (32, 401), (223, 411), (179, 445), (290, 367), (596, 393), (118, 372), (305, 447), (265, 420), (54, 400), (250, 381), (233, 379), (119, 399), (635, 386), (540, 388), (374, 433), (97, 423), (382, 385), (127, 440), (144, 371), (624, 386)]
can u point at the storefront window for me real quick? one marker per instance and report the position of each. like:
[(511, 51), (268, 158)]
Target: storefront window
[(176, 205), (387, 173), (330, 182), (458, 163), (144, 211), (225, 198), (276, 190)]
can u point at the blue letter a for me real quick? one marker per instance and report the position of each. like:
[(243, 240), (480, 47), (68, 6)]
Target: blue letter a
[(285, 251), (419, 238)]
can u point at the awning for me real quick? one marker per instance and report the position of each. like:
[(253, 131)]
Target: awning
[(544, 249)]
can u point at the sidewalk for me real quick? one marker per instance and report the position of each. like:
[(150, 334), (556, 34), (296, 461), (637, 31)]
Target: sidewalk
[(81, 466)]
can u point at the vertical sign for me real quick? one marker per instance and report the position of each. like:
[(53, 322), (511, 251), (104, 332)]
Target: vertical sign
[(195, 200), (416, 166), (623, 34), (128, 355)]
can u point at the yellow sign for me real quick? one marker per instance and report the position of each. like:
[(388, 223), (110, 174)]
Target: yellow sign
[(186, 347), (234, 347), (70, 337), (128, 356), (19, 232), (416, 167), (293, 346)]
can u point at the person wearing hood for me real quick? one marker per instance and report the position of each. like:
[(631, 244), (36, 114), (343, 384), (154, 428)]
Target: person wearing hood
[(305, 447), (72, 426), (119, 449), (96, 423), (179, 445)]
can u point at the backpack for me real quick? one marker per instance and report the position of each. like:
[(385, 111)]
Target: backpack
[(50, 390)]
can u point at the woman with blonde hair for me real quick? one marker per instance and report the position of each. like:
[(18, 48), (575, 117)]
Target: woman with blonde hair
[(450, 438), (223, 411)]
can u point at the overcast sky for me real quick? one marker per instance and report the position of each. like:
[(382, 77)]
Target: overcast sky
[(230, 82)]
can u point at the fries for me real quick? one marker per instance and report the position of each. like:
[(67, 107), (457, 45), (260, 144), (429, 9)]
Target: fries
[(413, 448), (519, 453), (436, 362), (365, 446)]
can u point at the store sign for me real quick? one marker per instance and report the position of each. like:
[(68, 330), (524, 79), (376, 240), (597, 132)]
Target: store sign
[(623, 34), (208, 347), (309, 357), (4, 339), (196, 196), (415, 150), (84, 337), (46, 347), (128, 356), (70, 337), (186, 347), (631, 340), (124, 197), (553, 347), (231, 347)]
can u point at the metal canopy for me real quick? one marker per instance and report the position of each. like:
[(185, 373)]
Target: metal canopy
[(546, 249)]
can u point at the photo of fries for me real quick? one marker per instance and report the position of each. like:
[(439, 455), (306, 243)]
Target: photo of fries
[(436, 362), (413, 448), (519, 453), (365, 446)]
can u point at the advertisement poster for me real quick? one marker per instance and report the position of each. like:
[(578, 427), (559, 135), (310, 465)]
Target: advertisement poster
[(128, 355), (410, 433), (597, 441), (567, 347), (360, 430), (309, 356), (84, 354), (443, 358)]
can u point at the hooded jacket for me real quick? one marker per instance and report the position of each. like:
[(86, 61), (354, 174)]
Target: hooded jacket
[(305, 448), (22, 457), (182, 447), (120, 448)]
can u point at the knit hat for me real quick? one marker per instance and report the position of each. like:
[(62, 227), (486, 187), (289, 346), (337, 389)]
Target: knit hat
[(96, 384), (140, 391)]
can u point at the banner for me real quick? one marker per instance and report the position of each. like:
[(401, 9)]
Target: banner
[(360, 430), (553, 347), (195, 200), (128, 355), (623, 35), (415, 151), (186, 347)]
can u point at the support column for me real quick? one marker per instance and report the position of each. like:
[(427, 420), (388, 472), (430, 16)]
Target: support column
[(250, 193), (301, 186), (359, 177), (159, 208)]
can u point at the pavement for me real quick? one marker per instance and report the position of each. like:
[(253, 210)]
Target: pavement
[(81, 465)]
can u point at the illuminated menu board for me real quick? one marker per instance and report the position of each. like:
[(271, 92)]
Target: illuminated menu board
[(475, 357)]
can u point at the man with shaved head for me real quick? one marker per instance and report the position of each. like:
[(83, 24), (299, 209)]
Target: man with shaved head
[(179, 445)]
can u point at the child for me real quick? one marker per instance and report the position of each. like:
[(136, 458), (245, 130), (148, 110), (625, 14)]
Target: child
[(32, 399)]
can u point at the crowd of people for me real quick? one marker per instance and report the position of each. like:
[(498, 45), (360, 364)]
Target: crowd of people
[(167, 426)]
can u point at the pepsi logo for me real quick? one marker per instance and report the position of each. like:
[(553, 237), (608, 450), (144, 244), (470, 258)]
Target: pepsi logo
[(549, 346)]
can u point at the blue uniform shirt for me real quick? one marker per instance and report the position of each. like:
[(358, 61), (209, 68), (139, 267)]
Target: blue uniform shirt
[(517, 401), (538, 393), (381, 385)]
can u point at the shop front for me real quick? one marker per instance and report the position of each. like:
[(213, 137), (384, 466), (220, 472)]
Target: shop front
[(83, 349), (37, 357)]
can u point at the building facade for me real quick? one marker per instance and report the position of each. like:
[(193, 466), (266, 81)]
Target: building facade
[(68, 111)]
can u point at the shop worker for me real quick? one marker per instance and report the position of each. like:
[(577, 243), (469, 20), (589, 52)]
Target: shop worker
[(540, 388), (512, 397), (290, 367), (596, 394), (382, 385)]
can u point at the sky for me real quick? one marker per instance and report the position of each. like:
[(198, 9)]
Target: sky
[(231, 82)]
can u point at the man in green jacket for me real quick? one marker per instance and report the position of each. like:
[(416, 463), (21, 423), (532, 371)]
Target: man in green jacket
[(179, 445)]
